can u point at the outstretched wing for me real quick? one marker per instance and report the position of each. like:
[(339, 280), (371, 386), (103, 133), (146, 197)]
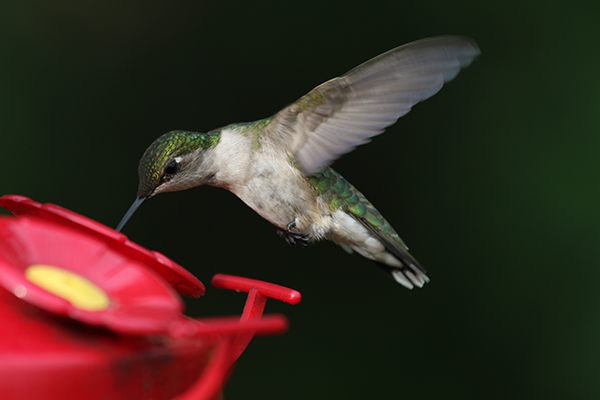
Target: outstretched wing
[(347, 111)]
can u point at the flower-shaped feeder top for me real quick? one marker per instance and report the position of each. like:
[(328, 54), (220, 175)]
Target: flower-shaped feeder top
[(72, 266), (183, 281), (69, 273)]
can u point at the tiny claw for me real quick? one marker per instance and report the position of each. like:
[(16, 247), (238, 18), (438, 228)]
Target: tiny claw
[(292, 236)]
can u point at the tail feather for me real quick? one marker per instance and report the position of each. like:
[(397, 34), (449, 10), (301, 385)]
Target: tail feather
[(409, 277), (411, 273)]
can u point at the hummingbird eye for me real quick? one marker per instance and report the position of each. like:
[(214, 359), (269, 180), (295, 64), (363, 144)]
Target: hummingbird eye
[(171, 168)]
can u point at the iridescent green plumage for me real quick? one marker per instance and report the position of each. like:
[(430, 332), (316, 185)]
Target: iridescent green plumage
[(166, 147), (341, 195), (256, 129)]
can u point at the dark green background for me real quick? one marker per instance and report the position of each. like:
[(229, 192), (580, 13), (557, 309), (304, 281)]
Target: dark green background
[(493, 183)]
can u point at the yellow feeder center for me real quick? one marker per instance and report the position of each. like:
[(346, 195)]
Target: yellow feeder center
[(78, 291)]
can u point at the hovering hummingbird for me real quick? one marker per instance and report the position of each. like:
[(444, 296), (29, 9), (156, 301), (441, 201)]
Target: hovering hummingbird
[(279, 166)]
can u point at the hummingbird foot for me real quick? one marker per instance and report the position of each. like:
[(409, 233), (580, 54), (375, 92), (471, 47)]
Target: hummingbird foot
[(292, 236)]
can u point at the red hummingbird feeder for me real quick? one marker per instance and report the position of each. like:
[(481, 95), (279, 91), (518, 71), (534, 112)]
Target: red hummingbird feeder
[(88, 314)]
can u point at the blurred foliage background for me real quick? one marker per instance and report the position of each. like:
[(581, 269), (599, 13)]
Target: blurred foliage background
[(493, 182)]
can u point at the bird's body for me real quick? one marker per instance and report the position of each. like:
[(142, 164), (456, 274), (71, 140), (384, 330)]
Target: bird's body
[(322, 206), (279, 166)]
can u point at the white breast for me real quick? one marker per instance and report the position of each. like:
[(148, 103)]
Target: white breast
[(266, 180)]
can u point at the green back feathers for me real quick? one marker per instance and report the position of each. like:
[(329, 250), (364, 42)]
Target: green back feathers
[(256, 129), (164, 149), (341, 195)]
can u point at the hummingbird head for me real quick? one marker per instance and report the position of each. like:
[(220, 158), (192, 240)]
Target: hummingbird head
[(172, 162)]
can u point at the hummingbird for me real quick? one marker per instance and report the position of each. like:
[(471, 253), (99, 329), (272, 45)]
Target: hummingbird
[(280, 166)]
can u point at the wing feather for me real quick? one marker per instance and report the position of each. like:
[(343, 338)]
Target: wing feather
[(347, 111)]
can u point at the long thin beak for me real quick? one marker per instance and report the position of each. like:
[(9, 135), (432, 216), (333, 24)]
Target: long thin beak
[(136, 204)]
